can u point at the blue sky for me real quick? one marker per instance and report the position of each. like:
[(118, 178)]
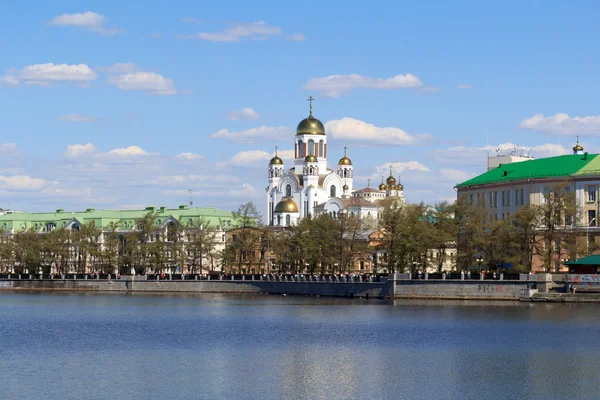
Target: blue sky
[(111, 104)]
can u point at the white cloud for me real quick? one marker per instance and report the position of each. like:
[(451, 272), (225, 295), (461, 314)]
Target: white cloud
[(245, 114), (45, 74), (464, 86), (189, 157), (455, 175), (477, 156), (128, 152), (562, 124), (88, 20), (246, 191), (354, 129), (120, 68), (21, 182), (77, 150), (7, 147), (296, 37), (249, 157), (399, 167), (337, 85), (77, 118), (149, 82), (9, 80), (156, 35), (254, 31), (254, 134)]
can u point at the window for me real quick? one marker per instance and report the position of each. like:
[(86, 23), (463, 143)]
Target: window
[(321, 151), (508, 198), (503, 199), (288, 191), (592, 218), (288, 221), (332, 192), (517, 197), (311, 147), (491, 198), (279, 220), (592, 193), (495, 196), (522, 196), (362, 265)]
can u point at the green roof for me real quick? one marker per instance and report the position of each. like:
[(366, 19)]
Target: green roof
[(25, 220), (594, 259), (551, 167)]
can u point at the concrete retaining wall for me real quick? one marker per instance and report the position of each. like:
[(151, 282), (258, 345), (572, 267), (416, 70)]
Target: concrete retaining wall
[(297, 288), (396, 286), (492, 290)]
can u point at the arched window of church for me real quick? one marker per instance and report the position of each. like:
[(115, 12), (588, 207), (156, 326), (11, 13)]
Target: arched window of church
[(311, 147), (332, 191), (288, 191), (321, 152), (279, 220), (287, 220), (300, 149), (345, 173)]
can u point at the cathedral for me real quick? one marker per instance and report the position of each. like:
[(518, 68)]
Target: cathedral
[(311, 188)]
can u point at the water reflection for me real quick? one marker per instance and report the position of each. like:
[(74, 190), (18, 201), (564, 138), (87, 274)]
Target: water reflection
[(274, 347)]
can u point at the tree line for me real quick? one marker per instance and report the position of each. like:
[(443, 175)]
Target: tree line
[(411, 237)]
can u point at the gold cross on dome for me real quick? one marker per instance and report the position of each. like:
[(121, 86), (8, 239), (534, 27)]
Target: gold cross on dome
[(276, 150), (369, 182), (345, 148), (310, 100)]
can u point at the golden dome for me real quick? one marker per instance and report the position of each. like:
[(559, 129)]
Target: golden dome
[(578, 147), (382, 186), (276, 161), (310, 158), (345, 188), (286, 205), (345, 161), (399, 187), (391, 181), (310, 126)]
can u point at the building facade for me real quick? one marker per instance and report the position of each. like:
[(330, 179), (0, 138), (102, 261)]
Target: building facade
[(179, 252), (512, 184)]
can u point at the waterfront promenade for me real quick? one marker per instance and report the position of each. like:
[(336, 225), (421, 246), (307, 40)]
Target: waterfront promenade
[(455, 286)]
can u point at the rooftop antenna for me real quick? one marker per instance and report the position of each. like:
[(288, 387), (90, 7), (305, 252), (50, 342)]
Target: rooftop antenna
[(191, 201)]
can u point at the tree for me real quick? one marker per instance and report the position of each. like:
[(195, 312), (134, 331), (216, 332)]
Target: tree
[(445, 231), (390, 242), (470, 219), (559, 212), (525, 222), (85, 246), (247, 238), (202, 240), (109, 253), (7, 251)]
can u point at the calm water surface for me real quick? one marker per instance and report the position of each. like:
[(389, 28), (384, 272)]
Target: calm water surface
[(265, 347)]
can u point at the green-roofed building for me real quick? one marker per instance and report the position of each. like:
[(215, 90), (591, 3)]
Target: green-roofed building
[(173, 232), (47, 221), (507, 186)]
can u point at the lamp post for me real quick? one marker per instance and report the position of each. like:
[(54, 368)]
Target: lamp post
[(479, 261), (587, 236)]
